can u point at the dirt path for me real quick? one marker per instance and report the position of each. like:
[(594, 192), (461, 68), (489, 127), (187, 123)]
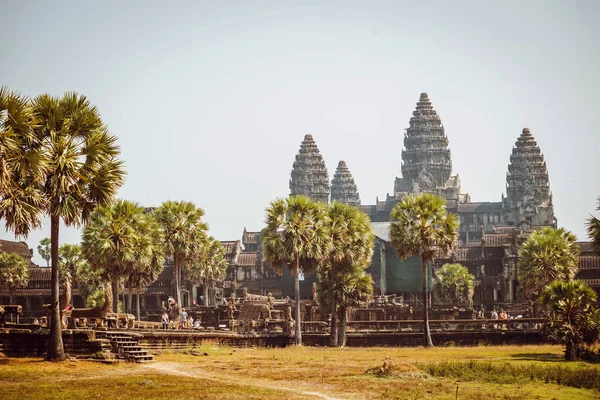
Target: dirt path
[(175, 369)]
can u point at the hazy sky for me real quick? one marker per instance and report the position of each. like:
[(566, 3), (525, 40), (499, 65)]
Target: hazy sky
[(211, 100)]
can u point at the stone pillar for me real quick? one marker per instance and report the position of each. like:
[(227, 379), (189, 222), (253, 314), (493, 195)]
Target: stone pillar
[(495, 294), (510, 290)]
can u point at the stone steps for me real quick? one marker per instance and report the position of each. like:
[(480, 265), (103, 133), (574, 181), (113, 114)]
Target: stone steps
[(126, 346)]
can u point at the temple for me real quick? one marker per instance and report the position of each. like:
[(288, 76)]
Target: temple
[(343, 188), (309, 174)]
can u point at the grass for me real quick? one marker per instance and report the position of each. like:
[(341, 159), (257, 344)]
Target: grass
[(511, 372)]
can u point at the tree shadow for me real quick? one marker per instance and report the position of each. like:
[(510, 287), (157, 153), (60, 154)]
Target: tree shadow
[(538, 357)]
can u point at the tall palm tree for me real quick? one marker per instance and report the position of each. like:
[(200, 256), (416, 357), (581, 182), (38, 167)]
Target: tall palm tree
[(546, 256), (184, 234), (118, 240), (574, 319), (422, 227), (83, 170), (593, 229), (23, 165), (351, 244), (13, 272), (71, 260), (296, 236), (454, 284), (44, 250), (209, 265)]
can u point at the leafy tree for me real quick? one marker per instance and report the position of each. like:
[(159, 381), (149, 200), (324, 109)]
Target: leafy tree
[(44, 250), (209, 265), (353, 286), (593, 229), (351, 245), (184, 235), (118, 240), (422, 227), (454, 284), (71, 260), (573, 318), (13, 272), (82, 171), (23, 165), (296, 236), (546, 256), (91, 285)]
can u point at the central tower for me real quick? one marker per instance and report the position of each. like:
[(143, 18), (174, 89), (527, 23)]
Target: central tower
[(427, 164)]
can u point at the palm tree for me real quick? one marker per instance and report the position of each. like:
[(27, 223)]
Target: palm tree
[(71, 260), (118, 240), (593, 229), (23, 165), (296, 236), (546, 256), (573, 318), (82, 171), (454, 284), (184, 234), (91, 284), (422, 227), (351, 243), (13, 272), (209, 265), (44, 250)]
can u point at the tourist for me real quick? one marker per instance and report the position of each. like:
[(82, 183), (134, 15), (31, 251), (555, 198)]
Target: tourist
[(190, 322), (35, 321), (184, 317), (165, 320), (494, 316)]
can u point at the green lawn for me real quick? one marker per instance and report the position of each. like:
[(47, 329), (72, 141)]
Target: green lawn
[(510, 372)]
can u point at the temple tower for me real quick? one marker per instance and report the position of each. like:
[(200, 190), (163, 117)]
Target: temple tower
[(427, 164), (343, 188), (309, 173), (528, 193)]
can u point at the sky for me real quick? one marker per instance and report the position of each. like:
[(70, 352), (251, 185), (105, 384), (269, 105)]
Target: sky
[(211, 100)]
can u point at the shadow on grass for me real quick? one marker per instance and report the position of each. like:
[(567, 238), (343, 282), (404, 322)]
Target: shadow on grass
[(538, 357)]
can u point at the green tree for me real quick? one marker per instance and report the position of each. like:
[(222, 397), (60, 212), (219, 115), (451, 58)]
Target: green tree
[(208, 266), (44, 250), (184, 235), (351, 245), (91, 284), (422, 227), (547, 255), (593, 229), (119, 240), (454, 284), (23, 165), (296, 236), (13, 272), (353, 286), (83, 170), (71, 260), (573, 319)]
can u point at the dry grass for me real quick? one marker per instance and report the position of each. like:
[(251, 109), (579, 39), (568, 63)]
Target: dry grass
[(295, 373)]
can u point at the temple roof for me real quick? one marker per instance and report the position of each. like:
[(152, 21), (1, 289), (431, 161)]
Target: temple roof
[(232, 248), (248, 259), (309, 175), (481, 207), (19, 248), (343, 188)]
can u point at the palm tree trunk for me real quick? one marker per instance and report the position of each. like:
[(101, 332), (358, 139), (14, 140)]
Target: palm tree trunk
[(342, 332), (66, 297), (428, 341), (55, 351), (137, 306), (297, 292), (130, 300), (115, 292), (333, 331), (177, 272), (570, 352), (108, 299)]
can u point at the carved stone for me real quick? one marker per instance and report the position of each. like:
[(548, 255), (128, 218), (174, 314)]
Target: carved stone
[(309, 174), (343, 188)]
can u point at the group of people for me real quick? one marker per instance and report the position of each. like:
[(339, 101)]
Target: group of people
[(185, 320)]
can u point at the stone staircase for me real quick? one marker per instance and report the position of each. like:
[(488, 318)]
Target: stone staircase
[(126, 346)]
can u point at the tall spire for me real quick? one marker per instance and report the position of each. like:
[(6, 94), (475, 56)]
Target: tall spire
[(527, 184), (427, 164), (309, 173), (343, 188)]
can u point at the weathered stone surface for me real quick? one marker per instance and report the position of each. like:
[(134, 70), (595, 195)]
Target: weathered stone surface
[(343, 187), (309, 173)]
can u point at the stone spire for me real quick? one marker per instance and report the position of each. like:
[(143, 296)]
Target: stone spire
[(527, 184), (343, 188), (427, 164), (309, 174)]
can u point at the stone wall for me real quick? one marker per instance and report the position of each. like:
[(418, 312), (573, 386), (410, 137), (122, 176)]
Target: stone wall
[(26, 342)]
